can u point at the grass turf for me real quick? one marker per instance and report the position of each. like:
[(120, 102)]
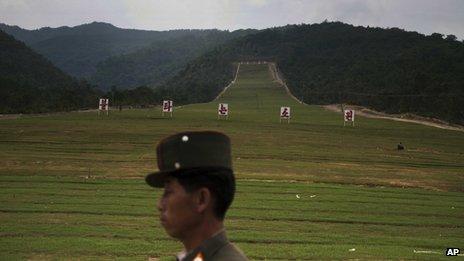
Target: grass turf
[(72, 183)]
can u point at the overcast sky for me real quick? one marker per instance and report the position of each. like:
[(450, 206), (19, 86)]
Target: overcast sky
[(424, 16)]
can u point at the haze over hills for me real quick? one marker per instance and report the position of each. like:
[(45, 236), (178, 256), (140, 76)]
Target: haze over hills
[(30, 83), (77, 50), (153, 65)]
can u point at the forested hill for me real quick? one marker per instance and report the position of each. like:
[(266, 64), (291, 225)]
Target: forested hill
[(385, 69), (77, 50), (153, 65), (30, 83)]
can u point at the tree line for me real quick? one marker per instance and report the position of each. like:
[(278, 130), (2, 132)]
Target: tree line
[(389, 70)]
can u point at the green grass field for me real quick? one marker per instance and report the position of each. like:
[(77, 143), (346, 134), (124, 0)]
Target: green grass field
[(72, 184)]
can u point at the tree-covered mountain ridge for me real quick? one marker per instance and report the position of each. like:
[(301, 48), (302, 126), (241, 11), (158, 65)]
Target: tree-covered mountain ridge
[(153, 65), (389, 70), (78, 50), (29, 83)]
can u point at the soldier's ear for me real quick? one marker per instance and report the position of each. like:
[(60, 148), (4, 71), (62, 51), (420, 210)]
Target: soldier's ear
[(203, 199)]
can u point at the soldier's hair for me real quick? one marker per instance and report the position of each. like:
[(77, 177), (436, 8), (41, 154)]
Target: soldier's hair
[(219, 181)]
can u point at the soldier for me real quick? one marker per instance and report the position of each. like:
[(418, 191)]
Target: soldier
[(199, 186), (400, 146)]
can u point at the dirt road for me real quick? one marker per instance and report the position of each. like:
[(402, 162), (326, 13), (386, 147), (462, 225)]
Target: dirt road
[(362, 111)]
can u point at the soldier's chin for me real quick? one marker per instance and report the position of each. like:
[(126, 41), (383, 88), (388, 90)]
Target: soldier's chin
[(170, 231)]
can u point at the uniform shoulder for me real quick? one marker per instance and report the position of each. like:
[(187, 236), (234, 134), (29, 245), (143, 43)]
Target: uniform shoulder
[(229, 252)]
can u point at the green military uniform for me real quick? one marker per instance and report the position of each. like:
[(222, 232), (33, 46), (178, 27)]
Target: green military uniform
[(217, 247)]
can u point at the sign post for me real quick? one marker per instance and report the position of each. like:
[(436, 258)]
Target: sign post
[(348, 116), (167, 107), (103, 105), (223, 110), (285, 114)]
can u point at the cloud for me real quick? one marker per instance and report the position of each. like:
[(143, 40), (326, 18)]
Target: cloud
[(179, 14), (257, 2)]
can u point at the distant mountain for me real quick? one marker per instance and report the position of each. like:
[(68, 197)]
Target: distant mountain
[(30, 83), (386, 69), (77, 50), (160, 61)]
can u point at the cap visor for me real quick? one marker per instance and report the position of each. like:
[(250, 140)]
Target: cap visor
[(157, 179)]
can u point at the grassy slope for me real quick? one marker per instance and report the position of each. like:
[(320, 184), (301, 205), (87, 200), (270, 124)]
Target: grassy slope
[(50, 208)]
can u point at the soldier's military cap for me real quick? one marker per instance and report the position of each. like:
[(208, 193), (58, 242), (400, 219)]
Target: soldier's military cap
[(187, 152)]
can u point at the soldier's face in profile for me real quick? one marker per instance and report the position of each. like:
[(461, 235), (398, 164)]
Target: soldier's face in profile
[(177, 210)]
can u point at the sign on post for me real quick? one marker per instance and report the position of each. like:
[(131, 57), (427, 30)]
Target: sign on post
[(223, 110), (348, 116), (167, 107), (285, 114), (103, 105)]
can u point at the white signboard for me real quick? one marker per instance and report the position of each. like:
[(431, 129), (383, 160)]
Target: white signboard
[(167, 106), (285, 112), (349, 115), (223, 109), (103, 105)]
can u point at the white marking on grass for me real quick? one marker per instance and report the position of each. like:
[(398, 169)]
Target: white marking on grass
[(279, 79), (232, 82), (277, 180), (426, 252)]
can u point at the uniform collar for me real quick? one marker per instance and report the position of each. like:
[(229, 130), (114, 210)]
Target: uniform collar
[(207, 248)]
